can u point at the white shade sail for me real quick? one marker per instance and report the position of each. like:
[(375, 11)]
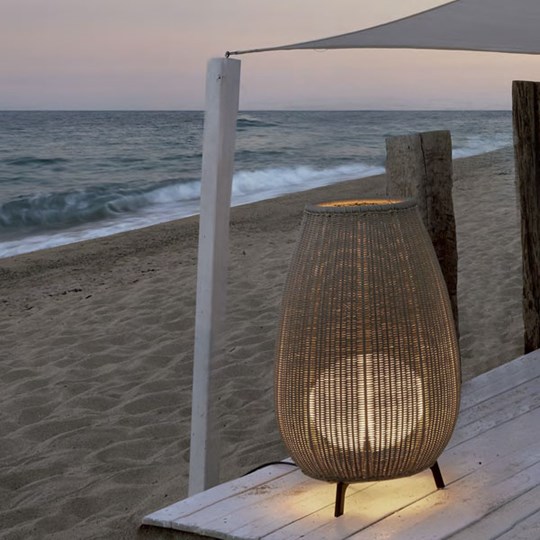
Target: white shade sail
[(508, 26)]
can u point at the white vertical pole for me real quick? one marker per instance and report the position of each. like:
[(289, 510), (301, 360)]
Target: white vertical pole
[(222, 95)]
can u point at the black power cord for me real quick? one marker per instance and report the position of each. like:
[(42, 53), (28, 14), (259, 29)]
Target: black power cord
[(271, 463)]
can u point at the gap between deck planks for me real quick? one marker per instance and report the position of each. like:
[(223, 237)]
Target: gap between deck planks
[(491, 463)]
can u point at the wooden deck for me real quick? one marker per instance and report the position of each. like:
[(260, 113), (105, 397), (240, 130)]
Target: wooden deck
[(491, 468)]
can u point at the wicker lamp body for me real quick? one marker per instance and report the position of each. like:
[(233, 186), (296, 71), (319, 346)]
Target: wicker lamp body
[(367, 380)]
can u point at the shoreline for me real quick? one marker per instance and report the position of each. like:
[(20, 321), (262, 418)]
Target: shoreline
[(54, 238), (169, 227), (96, 368)]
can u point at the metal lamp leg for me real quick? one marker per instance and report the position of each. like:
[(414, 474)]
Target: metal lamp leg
[(437, 476), (341, 488)]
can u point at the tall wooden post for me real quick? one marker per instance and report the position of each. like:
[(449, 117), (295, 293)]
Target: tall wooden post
[(526, 119), (222, 96), (420, 166)]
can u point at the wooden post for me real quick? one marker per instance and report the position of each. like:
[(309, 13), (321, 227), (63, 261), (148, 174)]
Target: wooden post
[(222, 95), (420, 166), (526, 119)]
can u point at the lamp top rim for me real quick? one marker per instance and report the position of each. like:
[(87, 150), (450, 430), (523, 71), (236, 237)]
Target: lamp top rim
[(363, 205)]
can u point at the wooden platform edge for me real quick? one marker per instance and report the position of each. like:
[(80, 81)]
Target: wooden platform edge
[(165, 516)]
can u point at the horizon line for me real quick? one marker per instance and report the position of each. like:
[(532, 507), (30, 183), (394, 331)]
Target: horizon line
[(264, 110)]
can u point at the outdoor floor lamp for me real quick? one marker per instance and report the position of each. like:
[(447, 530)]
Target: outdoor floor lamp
[(367, 379)]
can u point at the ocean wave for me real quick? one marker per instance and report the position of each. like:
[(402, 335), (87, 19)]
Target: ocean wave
[(32, 160), (474, 146), (68, 209), (62, 210), (244, 122), (275, 181)]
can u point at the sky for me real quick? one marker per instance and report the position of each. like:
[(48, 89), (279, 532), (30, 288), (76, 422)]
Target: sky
[(152, 55)]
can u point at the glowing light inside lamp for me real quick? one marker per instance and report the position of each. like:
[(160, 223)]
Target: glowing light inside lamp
[(353, 408)]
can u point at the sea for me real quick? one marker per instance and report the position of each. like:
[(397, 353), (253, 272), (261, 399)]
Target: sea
[(72, 176)]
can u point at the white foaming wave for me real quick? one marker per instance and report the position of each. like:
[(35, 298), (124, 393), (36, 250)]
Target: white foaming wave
[(182, 200), (474, 146), (268, 183), (150, 216), (188, 191)]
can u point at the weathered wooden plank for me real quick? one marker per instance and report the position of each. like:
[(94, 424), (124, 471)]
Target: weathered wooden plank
[(206, 499), (510, 517), (222, 519), (497, 410), (499, 443), (500, 379), (262, 511), (376, 502), (447, 512), (224, 516), (420, 166), (526, 120), (528, 529)]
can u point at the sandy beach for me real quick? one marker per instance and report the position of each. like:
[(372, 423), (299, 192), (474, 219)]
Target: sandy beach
[(97, 340)]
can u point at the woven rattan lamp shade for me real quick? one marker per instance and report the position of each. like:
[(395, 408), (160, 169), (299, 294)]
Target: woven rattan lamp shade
[(367, 379)]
